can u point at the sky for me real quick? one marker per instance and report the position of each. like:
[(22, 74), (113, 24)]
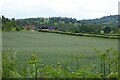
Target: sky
[(79, 9)]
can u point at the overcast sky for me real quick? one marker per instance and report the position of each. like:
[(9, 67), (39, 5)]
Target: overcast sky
[(79, 9)]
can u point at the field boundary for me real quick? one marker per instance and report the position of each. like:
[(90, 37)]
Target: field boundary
[(110, 36)]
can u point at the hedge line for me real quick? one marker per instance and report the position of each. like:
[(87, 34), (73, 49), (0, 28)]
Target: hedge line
[(111, 36)]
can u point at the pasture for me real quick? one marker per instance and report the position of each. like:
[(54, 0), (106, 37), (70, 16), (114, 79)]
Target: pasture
[(71, 52), (52, 47), (55, 43)]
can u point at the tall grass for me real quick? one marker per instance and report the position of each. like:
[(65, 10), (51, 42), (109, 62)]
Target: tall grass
[(33, 67)]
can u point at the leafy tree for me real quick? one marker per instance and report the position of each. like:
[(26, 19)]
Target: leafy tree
[(107, 29), (86, 29), (18, 28), (7, 26)]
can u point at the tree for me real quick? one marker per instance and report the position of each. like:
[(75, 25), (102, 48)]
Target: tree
[(18, 28), (7, 26), (107, 29), (86, 29)]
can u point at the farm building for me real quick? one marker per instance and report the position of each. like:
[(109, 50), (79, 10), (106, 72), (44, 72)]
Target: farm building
[(46, 28)]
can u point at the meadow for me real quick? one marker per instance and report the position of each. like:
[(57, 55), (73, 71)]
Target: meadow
[(51, 48)]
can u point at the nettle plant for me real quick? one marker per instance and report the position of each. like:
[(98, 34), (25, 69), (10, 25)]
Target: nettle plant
[(33, 65), (108, 60), (9, 64)]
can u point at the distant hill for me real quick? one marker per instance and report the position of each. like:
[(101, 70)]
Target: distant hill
[(111, 20), (64, 24)]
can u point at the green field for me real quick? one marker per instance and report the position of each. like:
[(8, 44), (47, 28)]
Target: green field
[(55, 46), (52, 49), (55, 43)]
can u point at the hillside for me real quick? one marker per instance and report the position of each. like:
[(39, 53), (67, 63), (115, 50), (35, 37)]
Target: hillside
[(111, 20), (63, 24)]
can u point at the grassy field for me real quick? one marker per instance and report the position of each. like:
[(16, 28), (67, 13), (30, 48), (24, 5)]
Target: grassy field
[(55, 43), (56, 49), (55, 46)]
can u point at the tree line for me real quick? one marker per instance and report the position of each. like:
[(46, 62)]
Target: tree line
[(62, 24)]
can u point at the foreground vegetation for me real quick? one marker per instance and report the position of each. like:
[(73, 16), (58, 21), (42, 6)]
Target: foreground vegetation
[(33, 67)]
